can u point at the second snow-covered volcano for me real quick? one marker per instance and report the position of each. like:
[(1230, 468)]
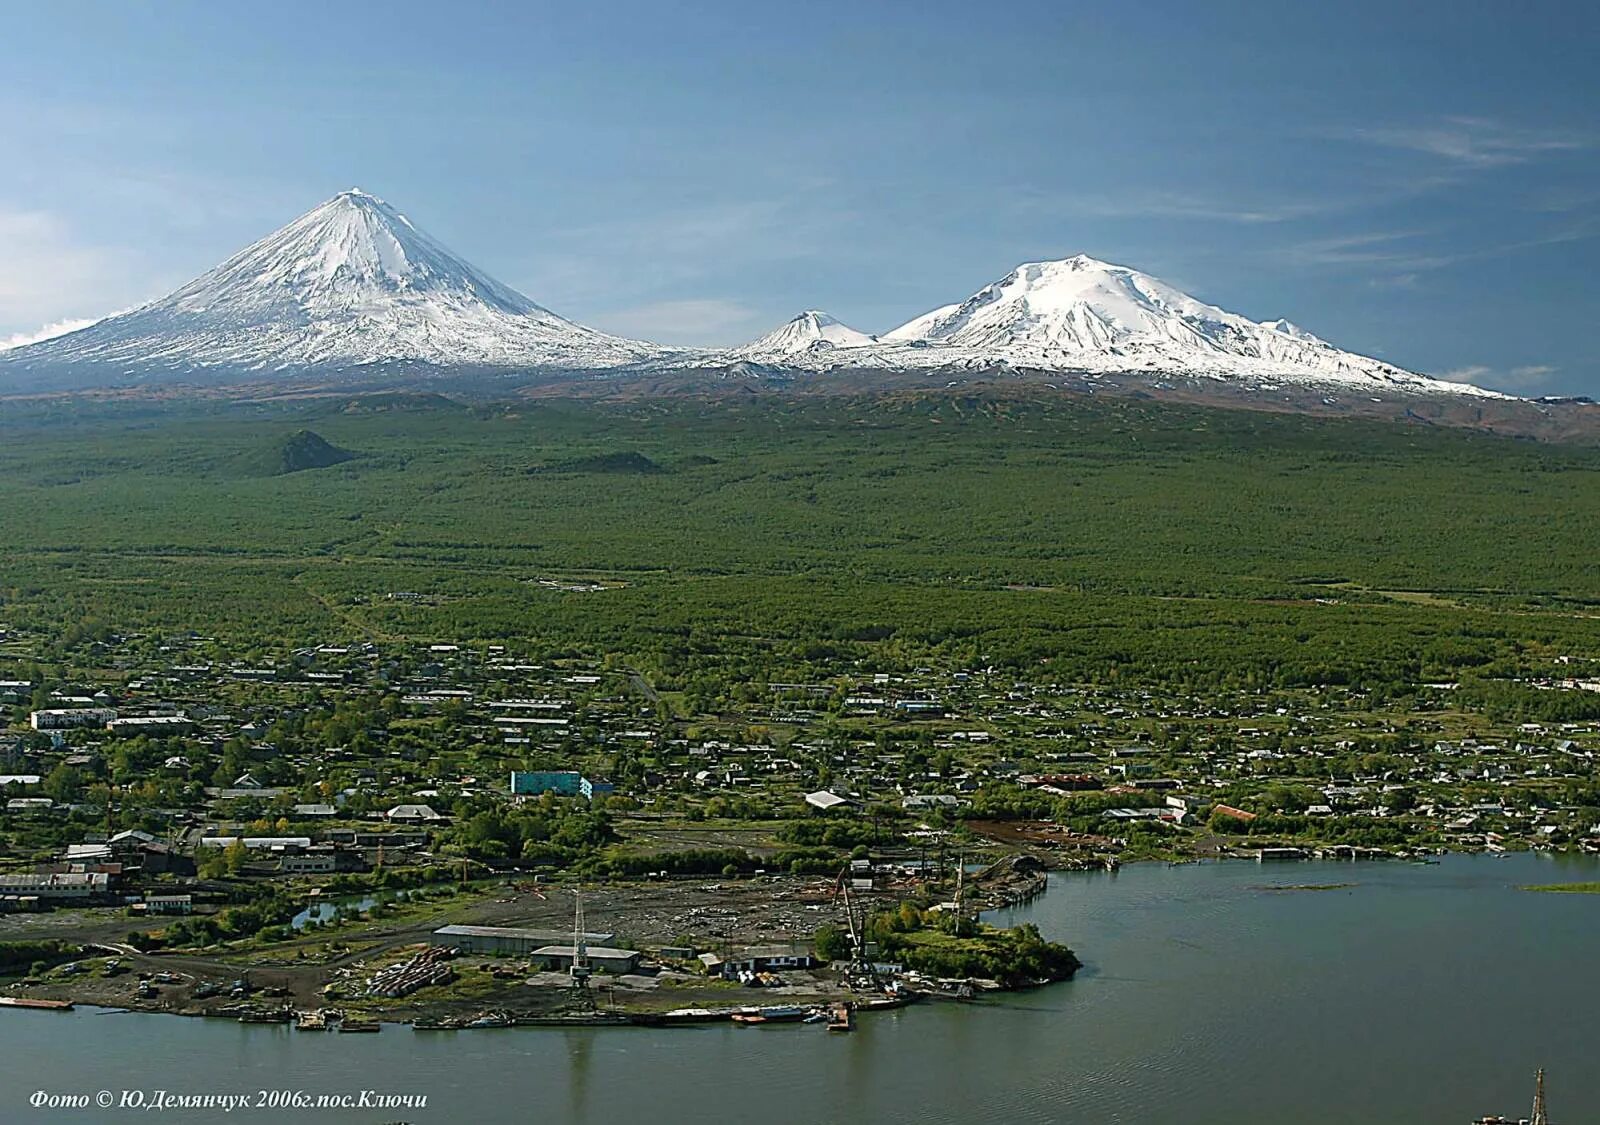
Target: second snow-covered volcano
[(1080, 314), (350, 284)]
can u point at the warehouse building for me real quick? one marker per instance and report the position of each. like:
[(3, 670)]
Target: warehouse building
[(95, 884), (504, 940), (604, 958)]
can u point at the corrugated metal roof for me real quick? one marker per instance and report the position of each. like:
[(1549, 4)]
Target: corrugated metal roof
[(514, 933)]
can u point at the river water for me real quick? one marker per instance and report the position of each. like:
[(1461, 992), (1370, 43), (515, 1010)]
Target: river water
[(1419, 994)]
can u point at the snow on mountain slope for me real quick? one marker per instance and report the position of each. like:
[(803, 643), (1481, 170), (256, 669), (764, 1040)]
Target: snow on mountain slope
[(1081, 314), (812, 332), (921, 327), (353, 285), (349, 284)]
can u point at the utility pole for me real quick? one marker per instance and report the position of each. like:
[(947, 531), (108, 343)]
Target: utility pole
[(961, 880)]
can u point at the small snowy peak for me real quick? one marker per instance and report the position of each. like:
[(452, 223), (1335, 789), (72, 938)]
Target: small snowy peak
[(811, 331), (1289, 328)]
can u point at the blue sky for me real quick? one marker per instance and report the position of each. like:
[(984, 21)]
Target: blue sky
[(1417, 181)]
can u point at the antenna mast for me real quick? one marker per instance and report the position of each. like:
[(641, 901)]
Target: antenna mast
[(1540, 1117)]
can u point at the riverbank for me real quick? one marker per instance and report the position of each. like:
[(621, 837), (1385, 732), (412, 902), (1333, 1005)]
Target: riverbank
[(718, 947), (1191, 1007)]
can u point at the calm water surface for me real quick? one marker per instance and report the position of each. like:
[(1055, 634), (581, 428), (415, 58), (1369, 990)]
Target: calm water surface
[(1420, 994)]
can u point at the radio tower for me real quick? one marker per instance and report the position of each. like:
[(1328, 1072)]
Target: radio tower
[(1540, 1117)]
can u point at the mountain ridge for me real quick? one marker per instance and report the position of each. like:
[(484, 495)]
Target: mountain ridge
[(352, 292)]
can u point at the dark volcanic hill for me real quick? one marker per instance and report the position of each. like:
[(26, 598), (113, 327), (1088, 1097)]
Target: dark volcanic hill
[(301, 450)]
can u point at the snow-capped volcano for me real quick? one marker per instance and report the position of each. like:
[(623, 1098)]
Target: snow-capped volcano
[(1084, 314), (350, 284), (812, 331), (352, 288), (1080, 314)]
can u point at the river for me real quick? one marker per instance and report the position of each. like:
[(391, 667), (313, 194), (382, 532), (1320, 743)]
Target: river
[(1417, 995)]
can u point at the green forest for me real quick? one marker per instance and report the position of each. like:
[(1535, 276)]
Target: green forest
[(710, 540)]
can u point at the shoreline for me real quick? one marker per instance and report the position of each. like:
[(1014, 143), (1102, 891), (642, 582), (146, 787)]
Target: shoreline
[(676, 999)]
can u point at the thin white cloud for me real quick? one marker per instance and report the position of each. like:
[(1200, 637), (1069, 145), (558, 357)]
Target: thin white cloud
[(48, 275), (1392, 250), (1174, 205), (48, 332), (1473, 142), (1524, 377)]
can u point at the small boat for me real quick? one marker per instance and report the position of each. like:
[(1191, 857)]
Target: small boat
[(883, 1003), (435, 1025), (749, 1017), (840, 1018), (268, 1015), (359, 1025), (312, 1021), (489, 1021), (782, 1013)]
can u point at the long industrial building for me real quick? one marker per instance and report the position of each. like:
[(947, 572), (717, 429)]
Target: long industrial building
[(506, 940)]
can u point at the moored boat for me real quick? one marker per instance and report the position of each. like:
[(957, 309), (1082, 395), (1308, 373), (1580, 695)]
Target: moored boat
[(489, 1019), (783, 1013), (267, 1015), (42, 1005), (436, 1025)]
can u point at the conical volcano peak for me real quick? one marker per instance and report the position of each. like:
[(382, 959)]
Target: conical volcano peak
[(350, 283), (812, 330), (353, 245)]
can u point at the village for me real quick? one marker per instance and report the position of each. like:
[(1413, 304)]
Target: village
[(458, 835)]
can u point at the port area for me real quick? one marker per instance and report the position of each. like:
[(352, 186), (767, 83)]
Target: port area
[(706, 950)]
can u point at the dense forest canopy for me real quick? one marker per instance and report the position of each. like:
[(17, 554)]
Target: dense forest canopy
[(1100, 539)]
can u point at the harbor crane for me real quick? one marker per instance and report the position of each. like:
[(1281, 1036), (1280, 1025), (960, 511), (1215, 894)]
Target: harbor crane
[(580, 997)]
